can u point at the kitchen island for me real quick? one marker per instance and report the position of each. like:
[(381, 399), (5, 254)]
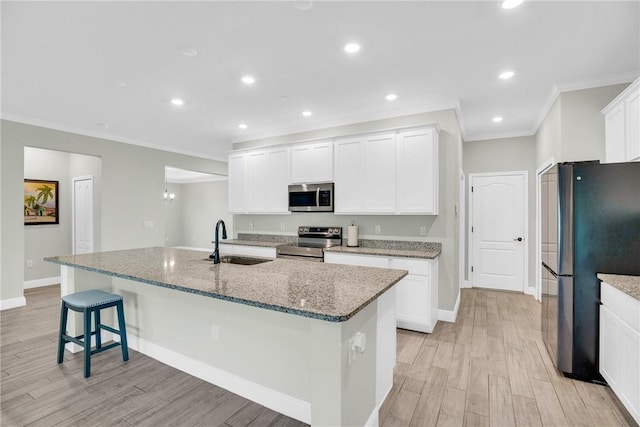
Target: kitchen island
[(313, 341)]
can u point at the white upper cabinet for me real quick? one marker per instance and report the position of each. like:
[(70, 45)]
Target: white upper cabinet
[(418, 171), (622, 126), (237, 169), (258, 181), (312, 162), (387, 173)]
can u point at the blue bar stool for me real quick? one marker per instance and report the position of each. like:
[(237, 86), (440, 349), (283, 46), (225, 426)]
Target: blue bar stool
[(88, 302)]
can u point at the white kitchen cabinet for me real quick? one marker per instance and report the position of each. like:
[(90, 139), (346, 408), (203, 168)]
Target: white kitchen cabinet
[(237, 170), (418, 171), (258, 181), (620, 346), (259, 251), (416, 293), (312, 163), (622, 126), (365, 174), (387, 173)]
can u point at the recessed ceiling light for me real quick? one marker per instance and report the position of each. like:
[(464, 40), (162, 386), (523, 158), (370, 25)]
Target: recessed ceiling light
[(103, 125), (506, 75), (306, 113), (391, 97), (243, 126), (177, 101), (303, 5), (351, 47), (122, 84), (189, 52), (510, 4), (497, 119), (248, 80)]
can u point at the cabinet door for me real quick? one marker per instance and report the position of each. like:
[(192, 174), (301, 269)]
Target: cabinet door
[(312, 163), (277, 181), (380, 174), (609, 354), (614, 123), (237, 168), (348, 176), (412, 303), (633, 126), (418, 172), (629, 383), (257, 181)]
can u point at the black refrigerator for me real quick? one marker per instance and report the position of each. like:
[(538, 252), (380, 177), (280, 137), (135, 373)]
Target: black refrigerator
[(590, 223)]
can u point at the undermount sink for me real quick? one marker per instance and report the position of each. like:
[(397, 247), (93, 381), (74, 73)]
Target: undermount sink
[(242, 260)]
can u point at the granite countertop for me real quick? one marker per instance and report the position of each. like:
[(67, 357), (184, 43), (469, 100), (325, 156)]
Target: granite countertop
[(402, 249), (328, 292), (630, 285)]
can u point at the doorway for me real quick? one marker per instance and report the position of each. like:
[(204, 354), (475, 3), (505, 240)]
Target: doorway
[(498, 231)]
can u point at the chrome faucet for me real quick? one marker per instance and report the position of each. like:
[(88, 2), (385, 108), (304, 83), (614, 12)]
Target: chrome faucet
[(216, 251)]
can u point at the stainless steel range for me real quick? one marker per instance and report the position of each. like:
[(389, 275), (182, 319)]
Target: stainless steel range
[(311, 242)]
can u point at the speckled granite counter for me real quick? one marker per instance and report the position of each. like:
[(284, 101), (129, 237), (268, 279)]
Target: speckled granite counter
[(392, 248), (328, 292), (630, 285)]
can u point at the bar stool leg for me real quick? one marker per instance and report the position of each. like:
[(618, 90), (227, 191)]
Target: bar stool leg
[(123, 331), (87, 342), (63, 331), (96, 316)]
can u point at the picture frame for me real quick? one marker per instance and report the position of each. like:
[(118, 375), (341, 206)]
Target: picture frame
[(41, 202)]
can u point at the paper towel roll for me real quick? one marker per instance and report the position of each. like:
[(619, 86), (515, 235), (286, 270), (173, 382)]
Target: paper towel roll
[(352, 235)]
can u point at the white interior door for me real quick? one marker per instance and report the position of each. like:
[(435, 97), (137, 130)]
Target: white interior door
[(82, 215), (498, 231)]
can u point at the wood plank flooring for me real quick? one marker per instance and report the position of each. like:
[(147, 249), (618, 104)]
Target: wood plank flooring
[(490, 368)]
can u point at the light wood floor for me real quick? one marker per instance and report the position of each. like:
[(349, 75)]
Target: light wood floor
[(488, 368)]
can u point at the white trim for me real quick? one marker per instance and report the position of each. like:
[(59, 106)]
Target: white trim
[(465, 284), (538, 285), (374, 420), (525, 176), (37, 283), (450, 315), (531, 290), (462, 247), (73, 211), (6, 304), (279, 402)]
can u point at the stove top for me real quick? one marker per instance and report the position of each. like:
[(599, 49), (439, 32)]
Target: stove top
[(311, 241)]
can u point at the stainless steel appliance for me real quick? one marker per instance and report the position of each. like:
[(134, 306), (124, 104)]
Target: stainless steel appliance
[(311, 197), (590, 224), (311, 242)]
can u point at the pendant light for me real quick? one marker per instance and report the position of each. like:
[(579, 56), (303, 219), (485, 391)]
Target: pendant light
[(168, 197)]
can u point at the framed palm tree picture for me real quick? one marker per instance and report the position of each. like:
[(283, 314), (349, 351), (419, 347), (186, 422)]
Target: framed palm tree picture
[(40, 202)]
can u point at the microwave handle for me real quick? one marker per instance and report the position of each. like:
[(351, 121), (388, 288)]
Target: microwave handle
[(317, 196)]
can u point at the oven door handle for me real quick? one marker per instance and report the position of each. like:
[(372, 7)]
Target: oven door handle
[(318, 197)]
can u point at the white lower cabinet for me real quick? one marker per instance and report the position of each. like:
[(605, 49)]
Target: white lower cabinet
[(620, 346), (259, 251), (416, 293)]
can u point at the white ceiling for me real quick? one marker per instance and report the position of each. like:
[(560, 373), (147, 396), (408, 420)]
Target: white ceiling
[(181, 176), (110, 69)]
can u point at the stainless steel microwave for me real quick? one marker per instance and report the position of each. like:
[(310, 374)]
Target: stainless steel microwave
[(311, 197)]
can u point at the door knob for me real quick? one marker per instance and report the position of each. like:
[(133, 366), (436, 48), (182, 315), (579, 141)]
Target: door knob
[(519, 239)]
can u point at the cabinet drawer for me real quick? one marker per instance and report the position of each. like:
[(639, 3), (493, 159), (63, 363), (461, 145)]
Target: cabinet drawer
[(361, 260), (414, 266)]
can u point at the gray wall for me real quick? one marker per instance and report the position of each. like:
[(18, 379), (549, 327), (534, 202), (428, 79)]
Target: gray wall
[(507, 155), (132, 186), (48, 239), (573, 129), (173, 217), (442, 228)]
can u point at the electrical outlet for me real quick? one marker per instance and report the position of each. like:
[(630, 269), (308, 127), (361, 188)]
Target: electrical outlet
[(252, 226), (215, 332), (423, 230), (378, 229), (148, 224), (282, 226), (29, 263)]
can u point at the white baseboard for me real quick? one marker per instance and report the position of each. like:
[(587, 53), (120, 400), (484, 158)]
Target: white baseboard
[(530, 290), (279, 402), (42, 282), (6, 304), (465, 284), (450, 315)]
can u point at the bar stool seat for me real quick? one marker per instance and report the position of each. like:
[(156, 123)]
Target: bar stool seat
[(88, 302)]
